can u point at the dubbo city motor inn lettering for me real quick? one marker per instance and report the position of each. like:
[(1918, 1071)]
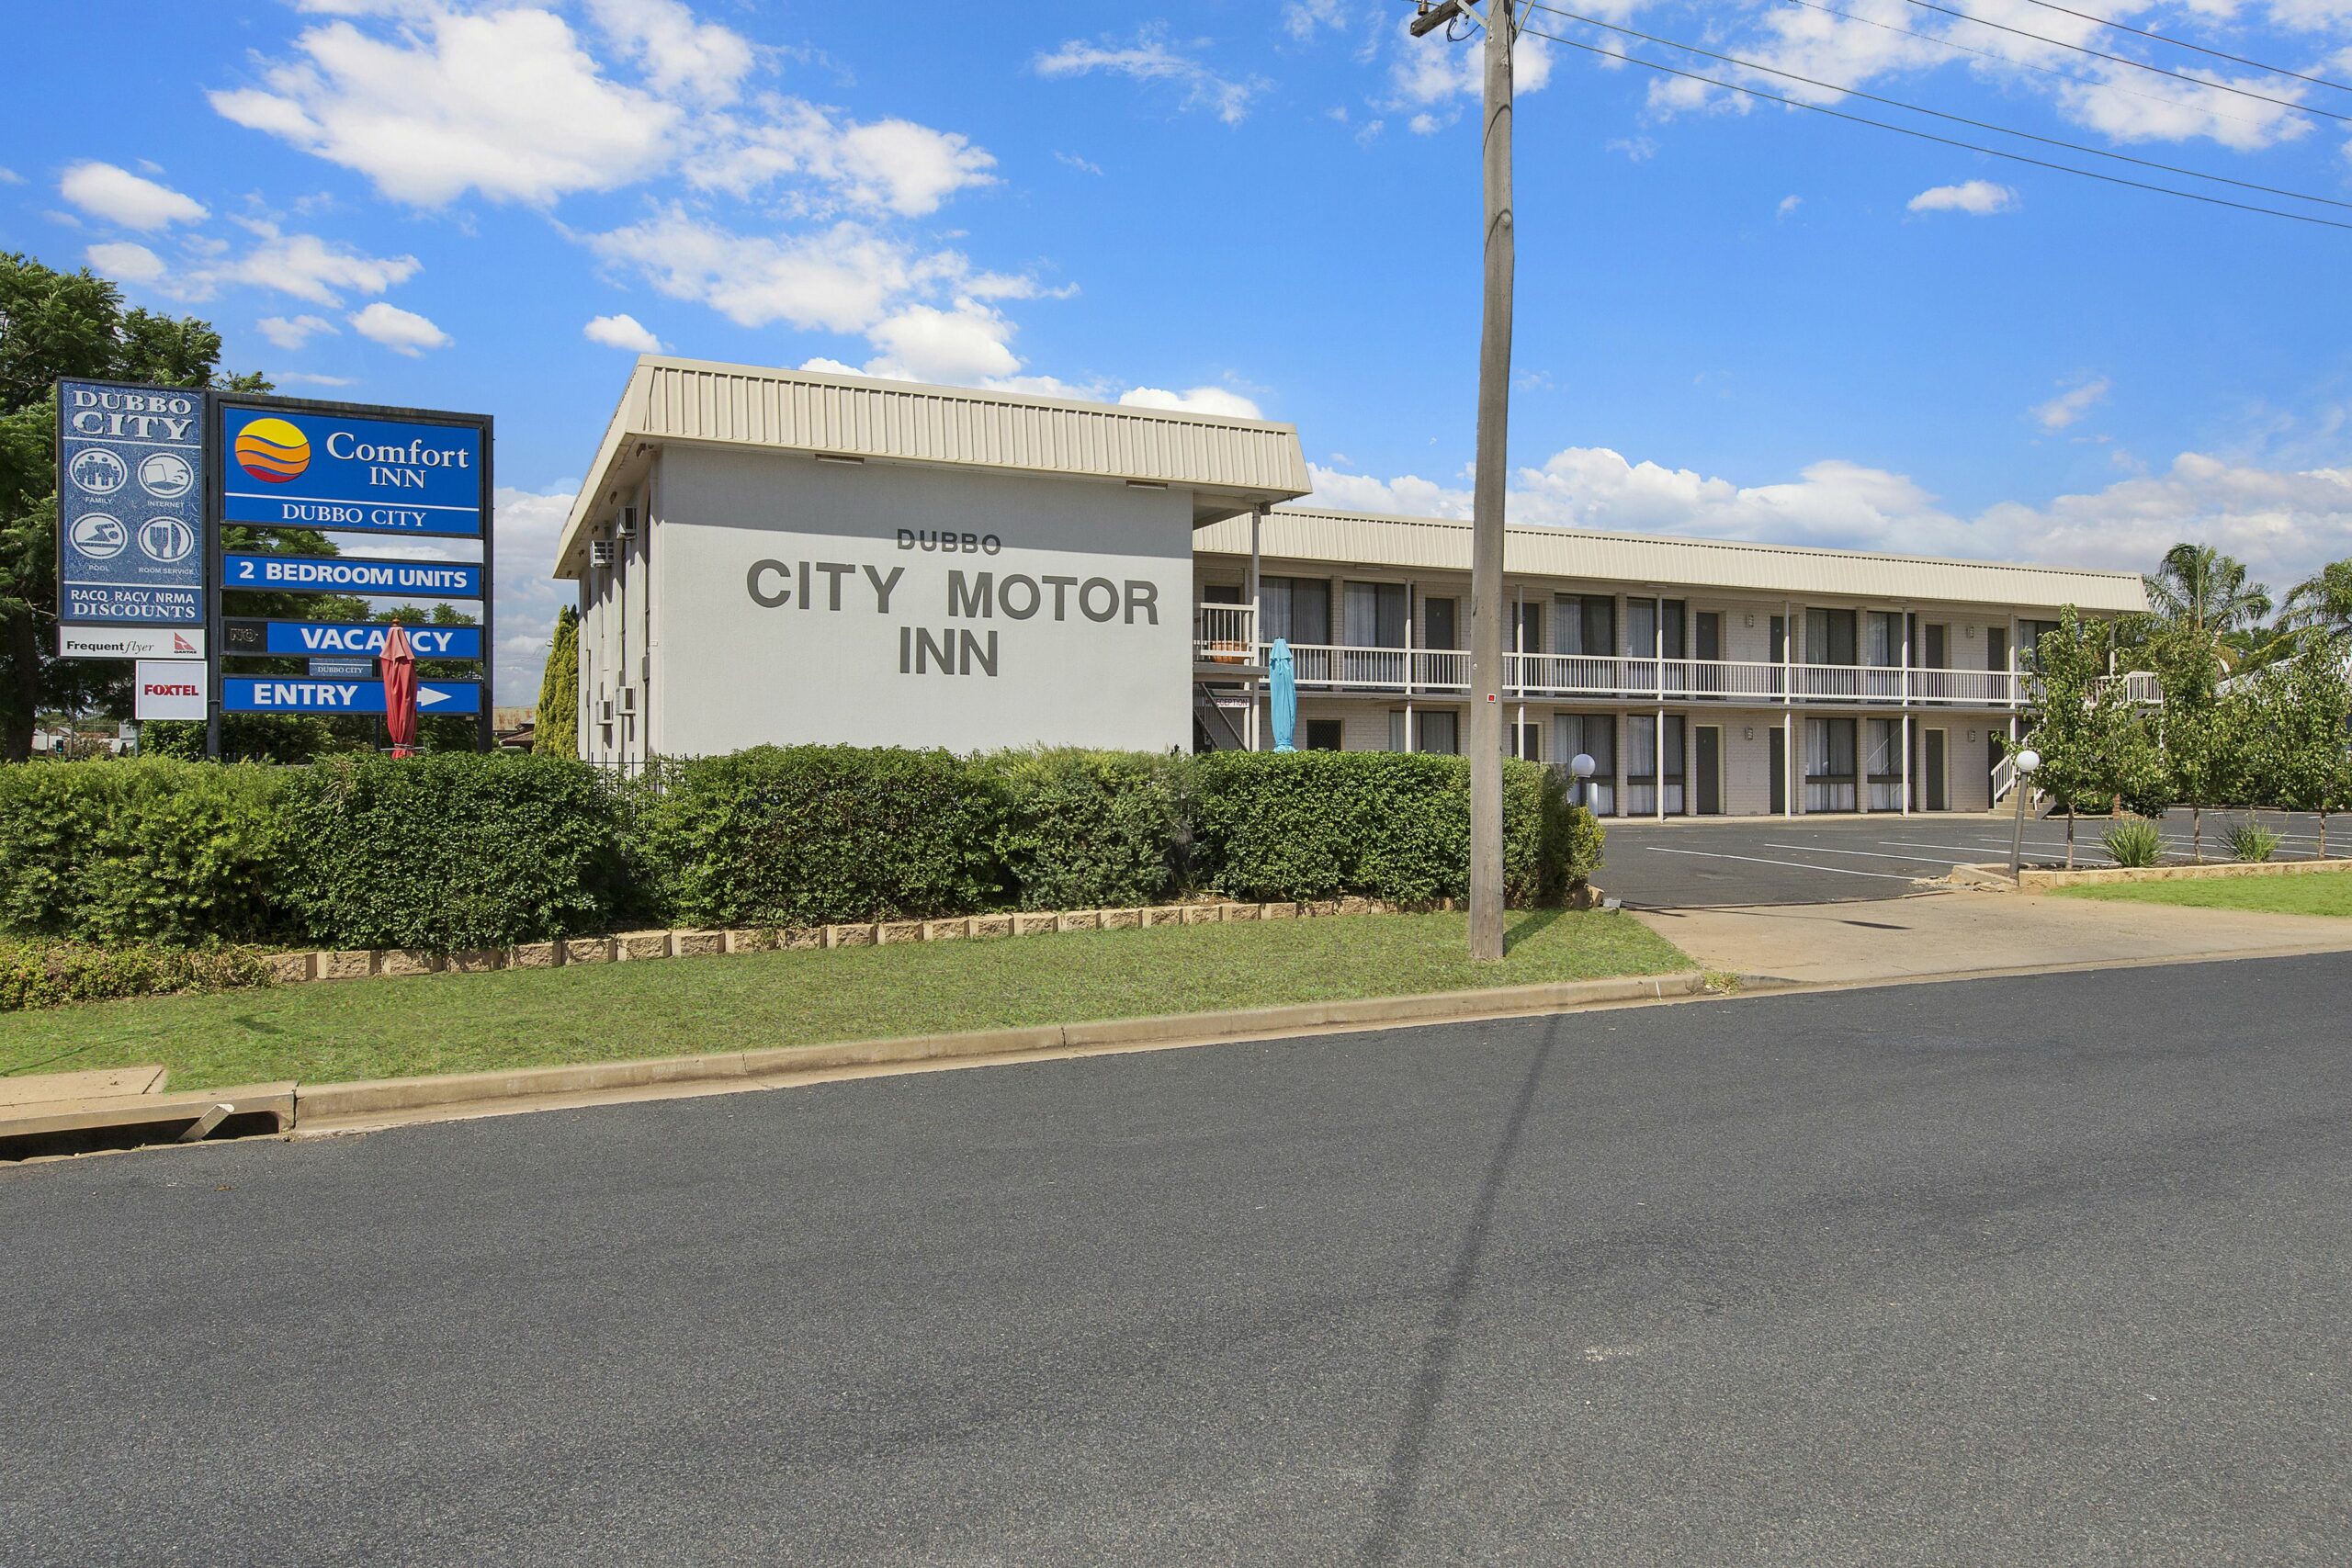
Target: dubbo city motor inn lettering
[(973, 595)]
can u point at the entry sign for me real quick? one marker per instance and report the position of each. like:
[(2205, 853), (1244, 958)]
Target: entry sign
[(292, 469), (351, 574), (171, 688), (129, 504), (291, 694)]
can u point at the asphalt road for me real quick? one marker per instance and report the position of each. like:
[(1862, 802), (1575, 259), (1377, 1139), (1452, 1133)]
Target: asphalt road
[(1719, 861), (2050, 1270)]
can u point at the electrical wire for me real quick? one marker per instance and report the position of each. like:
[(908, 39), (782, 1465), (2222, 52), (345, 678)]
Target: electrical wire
[(2127, 60), (2184, 43), (1943, 140), (1940, 114), (2005, 58)]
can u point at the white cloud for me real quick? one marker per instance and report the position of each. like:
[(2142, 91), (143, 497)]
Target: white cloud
[(312, 268), (1302, 18), (1084, 166), (527, 524), (1787, 207), (622, 332), (402, 331), (1426, 72), (824, 367), (1979, 198), (10, 178), (1199, 399), (674, 49), (966, 344), (119, 197), (2072, 404), (1151, 59), (894, 164), (504, 102), (294, 332), (126, 261), (843, 279), (311, 379), (2284, 523)]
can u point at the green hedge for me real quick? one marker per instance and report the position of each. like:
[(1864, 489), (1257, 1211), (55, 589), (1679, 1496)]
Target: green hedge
[(152, 851), (40, 975), (807, 835), (451, 852)]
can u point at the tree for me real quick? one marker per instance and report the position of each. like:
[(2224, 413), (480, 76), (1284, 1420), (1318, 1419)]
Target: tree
[(2097, 754), (557, 721), (2297, 737), (51, 324), (2205, 732), (2322, 602), (2199, 591)]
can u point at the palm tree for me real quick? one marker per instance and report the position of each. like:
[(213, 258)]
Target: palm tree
[(2323, 602), (2197, 589)]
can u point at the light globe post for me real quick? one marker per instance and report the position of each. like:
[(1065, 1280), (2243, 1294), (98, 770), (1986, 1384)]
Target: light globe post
[(1582, 766), (2027, 761)]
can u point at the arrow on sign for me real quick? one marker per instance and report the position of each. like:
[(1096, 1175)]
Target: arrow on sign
[(426, 696)]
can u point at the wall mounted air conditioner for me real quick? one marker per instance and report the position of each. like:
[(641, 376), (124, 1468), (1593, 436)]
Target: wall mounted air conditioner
[(628, 523), (600, 552), (604, 711), (628, 699)]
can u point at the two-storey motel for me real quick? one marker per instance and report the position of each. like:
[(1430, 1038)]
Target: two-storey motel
[(768, 556)]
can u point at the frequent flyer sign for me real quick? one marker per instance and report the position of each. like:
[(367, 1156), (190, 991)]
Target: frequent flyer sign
[(288, 467)]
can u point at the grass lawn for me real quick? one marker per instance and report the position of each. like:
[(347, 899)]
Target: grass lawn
[(2314, 893), (453, 1023)]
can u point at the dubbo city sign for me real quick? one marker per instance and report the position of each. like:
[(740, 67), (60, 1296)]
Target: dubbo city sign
[(147, 478)]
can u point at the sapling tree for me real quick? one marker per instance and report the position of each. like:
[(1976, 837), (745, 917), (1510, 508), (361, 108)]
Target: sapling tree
[(2096, 754), (2300, 732)]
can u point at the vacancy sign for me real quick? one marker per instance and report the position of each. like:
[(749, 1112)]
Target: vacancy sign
[(171, 688)]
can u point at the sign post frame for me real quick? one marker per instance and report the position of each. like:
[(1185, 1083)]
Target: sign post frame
[(220, 403)]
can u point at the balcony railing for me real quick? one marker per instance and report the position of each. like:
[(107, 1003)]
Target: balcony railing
[(1546, 676), (1223, 634)]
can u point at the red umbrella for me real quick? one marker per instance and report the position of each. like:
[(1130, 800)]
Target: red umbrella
[(399, 663)]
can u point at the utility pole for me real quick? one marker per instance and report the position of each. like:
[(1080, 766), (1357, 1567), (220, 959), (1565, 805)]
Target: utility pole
[(1493, 475)]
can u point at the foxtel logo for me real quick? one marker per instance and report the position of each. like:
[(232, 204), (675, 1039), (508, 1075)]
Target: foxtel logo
[(170, 689)]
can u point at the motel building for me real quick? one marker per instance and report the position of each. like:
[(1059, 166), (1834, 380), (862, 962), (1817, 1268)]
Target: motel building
[(779, 557)]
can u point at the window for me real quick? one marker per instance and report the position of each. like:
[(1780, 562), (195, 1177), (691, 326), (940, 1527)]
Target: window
[(1829, 764), (1322, 735), (1375, 616), (1996, 647), (1671, 620), (1594, 734), (1645, 784), (1526, 632), (1220, 593), (1436, 623), (1524, 741), (1583, 623), (2029, 635), (1641, 627), (1298, 609), (1882, 762), (1882, 638), (1829, 636), (1440, 733)]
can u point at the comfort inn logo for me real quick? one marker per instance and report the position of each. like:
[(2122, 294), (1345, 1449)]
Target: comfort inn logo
[(273, 451)]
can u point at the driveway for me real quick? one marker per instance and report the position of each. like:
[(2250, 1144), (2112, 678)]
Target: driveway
[(1715, 862), (2026, 1273)]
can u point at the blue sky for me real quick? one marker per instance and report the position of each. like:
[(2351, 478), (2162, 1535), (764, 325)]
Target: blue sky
[(1734, 318)]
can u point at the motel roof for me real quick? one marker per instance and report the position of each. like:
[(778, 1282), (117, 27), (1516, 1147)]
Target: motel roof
[(1229, 465), (1438, 543)]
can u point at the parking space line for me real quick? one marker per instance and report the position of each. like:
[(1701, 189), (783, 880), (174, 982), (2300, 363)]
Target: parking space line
[(1863, 854), (1791, 864)]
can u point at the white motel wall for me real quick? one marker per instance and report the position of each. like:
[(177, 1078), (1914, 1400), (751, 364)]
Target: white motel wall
[(768, 556)]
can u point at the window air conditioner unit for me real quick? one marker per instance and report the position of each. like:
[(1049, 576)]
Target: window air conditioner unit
[(600, 552), (628, 699), (628, 523), (605, 714)]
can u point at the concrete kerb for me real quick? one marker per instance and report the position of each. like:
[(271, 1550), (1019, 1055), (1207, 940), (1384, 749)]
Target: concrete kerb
[(336, 1106), (1996, 878)]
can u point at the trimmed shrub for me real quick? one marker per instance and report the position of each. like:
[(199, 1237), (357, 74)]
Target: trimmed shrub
[(2250, 841), (807, 835), (1376, 823), (40, 975), (1084, 830), (451, 850), (2133, 843), (150, 850)]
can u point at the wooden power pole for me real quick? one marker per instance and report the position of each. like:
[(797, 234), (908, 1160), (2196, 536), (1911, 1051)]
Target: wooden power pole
[(1492, 479)]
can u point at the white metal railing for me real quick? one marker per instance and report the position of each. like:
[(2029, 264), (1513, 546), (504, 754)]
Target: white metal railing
[(1436, 670), (1223, 634)]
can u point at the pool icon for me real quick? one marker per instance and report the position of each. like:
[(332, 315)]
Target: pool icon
[(99, 537)]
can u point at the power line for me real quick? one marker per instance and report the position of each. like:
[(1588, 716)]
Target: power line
[(1940, 114), (2127, 60), (2184, 43), (2004, 58), (1943, 140)]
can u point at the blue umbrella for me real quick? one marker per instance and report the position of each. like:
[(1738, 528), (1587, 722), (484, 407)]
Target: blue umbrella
[(1284, 680)]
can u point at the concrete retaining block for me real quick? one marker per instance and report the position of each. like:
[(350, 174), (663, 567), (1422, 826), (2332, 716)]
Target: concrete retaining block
[(350, 963), (535, 955), (292, 968), (1035, 924), (698, 943), (1122, 920), (991, 925), (407, 961), (477, 961), (638, 946), (588, 949)]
